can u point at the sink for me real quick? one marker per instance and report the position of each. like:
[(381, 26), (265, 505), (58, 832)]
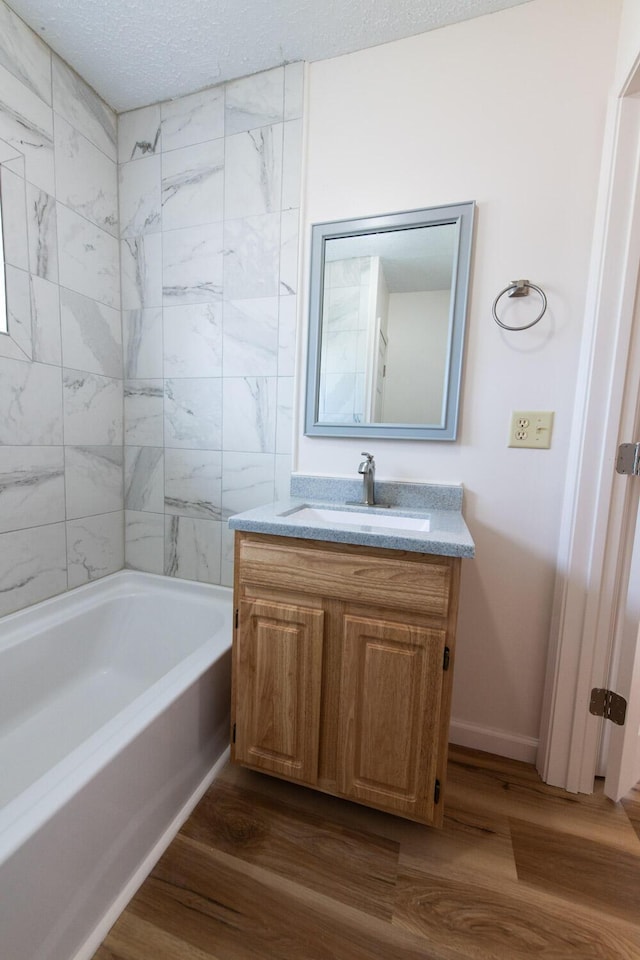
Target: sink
[(310, 516)]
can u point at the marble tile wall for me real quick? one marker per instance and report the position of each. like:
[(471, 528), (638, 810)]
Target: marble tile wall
[(209, 194), (151, 280), (61, 420)]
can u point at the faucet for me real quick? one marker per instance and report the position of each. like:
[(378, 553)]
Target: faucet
[(368, 470)]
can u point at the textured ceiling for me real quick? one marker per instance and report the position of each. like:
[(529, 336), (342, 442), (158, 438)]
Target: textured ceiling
[(136, 52)]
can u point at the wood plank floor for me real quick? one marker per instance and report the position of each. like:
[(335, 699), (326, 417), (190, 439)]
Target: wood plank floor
[(264, 870)]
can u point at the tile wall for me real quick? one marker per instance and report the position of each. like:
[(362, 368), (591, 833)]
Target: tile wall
[(61, 425), (185, 215), (209, 195)]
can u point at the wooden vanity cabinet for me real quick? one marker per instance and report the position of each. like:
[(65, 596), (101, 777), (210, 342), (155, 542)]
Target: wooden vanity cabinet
[(342, 669)]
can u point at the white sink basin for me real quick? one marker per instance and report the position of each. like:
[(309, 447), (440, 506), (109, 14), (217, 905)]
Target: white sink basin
[(310, 516)]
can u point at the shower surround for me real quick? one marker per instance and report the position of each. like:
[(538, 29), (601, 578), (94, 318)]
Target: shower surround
[(61, 428), (209, 197), (202, 258)]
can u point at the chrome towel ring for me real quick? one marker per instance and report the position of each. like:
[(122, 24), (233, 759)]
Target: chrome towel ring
[(519, 288)]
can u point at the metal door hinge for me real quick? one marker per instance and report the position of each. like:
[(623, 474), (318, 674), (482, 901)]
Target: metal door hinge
[(628, 461), (233, 734), (436, 792), (446, 659), (236, 619), (607, 704)]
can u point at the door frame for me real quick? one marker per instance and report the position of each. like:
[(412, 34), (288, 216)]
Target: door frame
[(591, 544)]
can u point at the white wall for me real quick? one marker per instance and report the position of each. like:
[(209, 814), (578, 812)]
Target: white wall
[(506, 110)]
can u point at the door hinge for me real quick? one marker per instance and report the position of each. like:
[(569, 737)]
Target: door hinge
[(446, 659), (436, 792), (607, 704), (628, 461), (236, 619), (233, 734)]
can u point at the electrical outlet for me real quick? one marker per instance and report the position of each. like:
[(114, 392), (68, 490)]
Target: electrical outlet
[(531, 428)]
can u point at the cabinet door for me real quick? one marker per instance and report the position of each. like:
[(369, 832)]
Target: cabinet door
[(390, 724), (277, 673)]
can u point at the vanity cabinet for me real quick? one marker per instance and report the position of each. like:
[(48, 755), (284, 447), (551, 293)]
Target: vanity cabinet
[(342, 669)]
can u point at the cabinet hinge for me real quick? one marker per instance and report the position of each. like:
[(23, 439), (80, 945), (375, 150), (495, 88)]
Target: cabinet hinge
[(236, 619), (607, 704), (233, 734), (446, 658), (436, 792)]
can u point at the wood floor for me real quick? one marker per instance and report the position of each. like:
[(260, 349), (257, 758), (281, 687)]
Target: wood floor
[(264, 870)]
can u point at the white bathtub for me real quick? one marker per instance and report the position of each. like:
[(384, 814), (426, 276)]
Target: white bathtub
[(114, 719)]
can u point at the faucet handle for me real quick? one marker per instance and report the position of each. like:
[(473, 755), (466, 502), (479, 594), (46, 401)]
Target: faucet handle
[(369, 456)]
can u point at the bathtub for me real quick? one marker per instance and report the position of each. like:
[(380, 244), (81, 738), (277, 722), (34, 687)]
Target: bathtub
[(114, 719)]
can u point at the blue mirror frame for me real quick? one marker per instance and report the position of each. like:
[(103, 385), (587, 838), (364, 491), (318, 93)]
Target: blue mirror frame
[(462, 216)]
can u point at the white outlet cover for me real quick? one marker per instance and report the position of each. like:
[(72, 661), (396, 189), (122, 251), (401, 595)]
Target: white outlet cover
[(531, 428)]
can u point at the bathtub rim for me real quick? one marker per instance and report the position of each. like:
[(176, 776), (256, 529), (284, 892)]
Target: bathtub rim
[(30, 810), (80, 598)]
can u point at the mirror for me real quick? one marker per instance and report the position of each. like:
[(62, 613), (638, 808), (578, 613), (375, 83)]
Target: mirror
[(388, 303)]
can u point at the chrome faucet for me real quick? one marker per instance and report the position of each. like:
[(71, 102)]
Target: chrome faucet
[(368, 470)]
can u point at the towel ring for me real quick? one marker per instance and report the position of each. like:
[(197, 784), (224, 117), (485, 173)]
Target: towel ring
[(519, 288)]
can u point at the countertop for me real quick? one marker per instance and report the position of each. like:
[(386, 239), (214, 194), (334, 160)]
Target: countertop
[(448, 534)]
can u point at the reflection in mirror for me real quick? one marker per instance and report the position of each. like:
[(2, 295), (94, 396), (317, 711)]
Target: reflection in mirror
[(388, 306), (386, 315)]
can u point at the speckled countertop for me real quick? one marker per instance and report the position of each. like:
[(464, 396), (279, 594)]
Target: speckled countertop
[(441, 505)]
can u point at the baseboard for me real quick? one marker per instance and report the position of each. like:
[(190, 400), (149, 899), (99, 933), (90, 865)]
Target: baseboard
[(94, 940), (500, 742)]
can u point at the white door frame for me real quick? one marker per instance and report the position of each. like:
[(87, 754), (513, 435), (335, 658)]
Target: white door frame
[(590, 551)]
